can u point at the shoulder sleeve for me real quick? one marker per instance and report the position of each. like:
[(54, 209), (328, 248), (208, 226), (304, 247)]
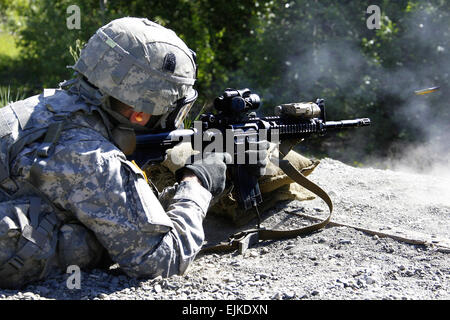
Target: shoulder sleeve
[(110, 196)]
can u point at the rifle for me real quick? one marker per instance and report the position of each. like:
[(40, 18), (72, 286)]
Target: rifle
[(236, 121)]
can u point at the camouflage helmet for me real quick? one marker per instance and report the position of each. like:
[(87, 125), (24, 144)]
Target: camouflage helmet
[(142, 64)]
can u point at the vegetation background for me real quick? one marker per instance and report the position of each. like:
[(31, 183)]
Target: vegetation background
[(283, 50)]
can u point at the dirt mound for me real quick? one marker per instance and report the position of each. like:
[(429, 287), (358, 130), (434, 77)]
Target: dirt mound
[(388, 239)]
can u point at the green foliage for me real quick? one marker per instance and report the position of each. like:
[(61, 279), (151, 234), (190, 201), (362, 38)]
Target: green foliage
[(76, 51), (11, 16), (8, 48), (284, 50), (42, 45), (323, 49)]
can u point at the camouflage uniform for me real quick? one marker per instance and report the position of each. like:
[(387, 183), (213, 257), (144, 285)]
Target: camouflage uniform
[(104, 200), (66, 149)]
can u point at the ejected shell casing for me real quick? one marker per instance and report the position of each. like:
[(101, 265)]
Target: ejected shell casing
[(306, 110), (425, 91)]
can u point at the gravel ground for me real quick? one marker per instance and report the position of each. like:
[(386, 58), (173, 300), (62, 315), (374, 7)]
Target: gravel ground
[(363, 254)]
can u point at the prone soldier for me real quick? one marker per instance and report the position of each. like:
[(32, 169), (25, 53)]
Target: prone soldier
[(68, 194)]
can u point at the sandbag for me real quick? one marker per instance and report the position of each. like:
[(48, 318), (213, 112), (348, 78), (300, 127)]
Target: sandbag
[(275, 186)]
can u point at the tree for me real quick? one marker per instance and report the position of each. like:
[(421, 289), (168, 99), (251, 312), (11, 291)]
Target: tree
[(284, 50)]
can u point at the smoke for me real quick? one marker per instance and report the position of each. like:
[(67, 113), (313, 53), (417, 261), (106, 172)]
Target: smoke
[(342, 65), (426, 114)]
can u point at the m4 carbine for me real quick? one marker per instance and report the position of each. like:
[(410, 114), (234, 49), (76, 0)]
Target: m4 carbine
[(234, 126)]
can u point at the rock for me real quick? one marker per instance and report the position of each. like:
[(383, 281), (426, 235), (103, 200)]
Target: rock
[(289, 294), (146, 287), (321, 240), (276, 296), (229, 278), (102, 296), (254, 254), (349, 283), (315, 293), (264, 250), (369, 280), (29, 295), (409, 273), (156, 280), (157, 288), (262, 275)]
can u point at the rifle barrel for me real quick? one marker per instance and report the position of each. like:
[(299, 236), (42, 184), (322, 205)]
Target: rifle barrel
[(347, 123)]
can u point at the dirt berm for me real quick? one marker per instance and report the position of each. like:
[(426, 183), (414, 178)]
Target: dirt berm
[(389, 238)]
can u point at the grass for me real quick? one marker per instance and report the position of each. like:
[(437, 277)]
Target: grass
[(6, 96), (9, 55)]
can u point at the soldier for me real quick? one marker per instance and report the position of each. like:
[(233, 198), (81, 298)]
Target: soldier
[(68, 194)]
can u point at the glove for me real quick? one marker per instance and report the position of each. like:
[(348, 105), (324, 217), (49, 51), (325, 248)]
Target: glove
[(258, 151), (211, 171)]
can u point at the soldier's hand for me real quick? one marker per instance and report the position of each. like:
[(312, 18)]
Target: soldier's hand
[(211, 171), (257, 156)]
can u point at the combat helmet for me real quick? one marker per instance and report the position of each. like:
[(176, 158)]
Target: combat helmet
[(144, 65)]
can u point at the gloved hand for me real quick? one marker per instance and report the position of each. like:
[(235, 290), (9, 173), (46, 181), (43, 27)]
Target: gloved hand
[(257, 157), (211, 171)]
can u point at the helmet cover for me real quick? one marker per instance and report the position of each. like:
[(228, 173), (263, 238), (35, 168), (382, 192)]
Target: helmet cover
[(140, 63)]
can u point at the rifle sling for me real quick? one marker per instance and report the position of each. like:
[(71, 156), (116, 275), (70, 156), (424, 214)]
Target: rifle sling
[(242, 240)]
